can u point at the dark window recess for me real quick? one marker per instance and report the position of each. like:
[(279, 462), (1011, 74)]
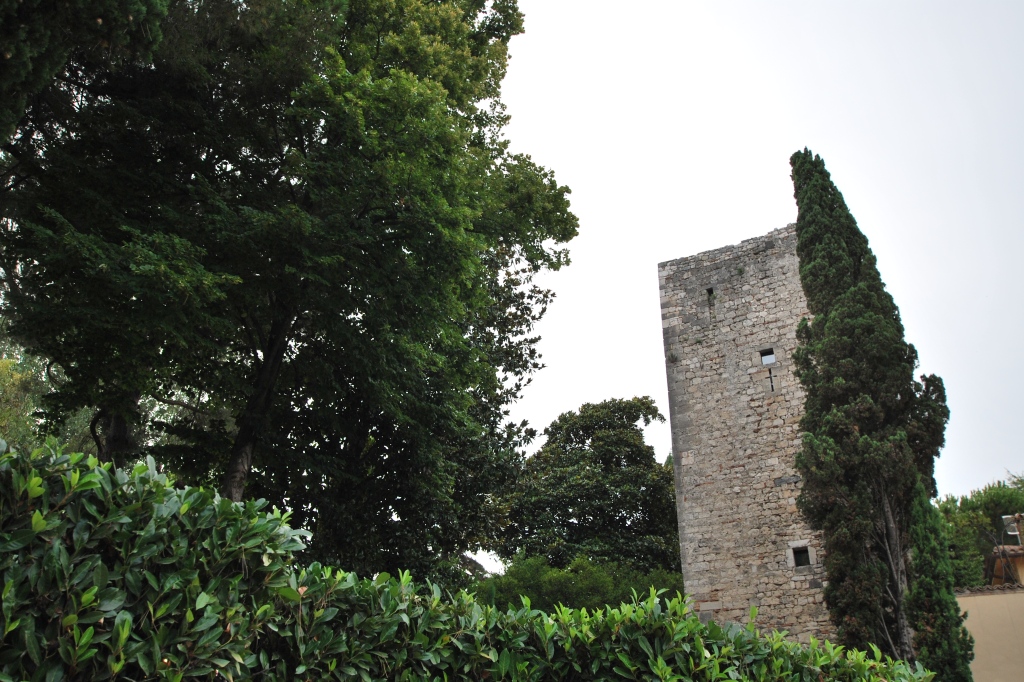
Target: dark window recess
[(771, 380), (767, 356), (711, 297), (801, 556)]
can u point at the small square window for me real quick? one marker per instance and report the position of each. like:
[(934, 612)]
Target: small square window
[(801, 556), (768, 356)]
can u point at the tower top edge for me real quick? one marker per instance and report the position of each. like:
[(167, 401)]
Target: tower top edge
[(732, 250)]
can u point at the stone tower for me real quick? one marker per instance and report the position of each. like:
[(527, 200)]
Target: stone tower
[(729, 319)]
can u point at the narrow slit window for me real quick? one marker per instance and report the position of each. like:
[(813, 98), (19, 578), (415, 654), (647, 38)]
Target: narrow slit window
[(771, 380), (801, 556), (711, 297), (768, 356)]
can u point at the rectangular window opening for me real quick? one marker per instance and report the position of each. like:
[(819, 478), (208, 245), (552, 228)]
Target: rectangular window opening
[(801, 556), (768, 356), (711, 296)]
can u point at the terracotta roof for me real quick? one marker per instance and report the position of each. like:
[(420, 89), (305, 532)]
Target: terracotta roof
[(1008, 550), (989, 589)]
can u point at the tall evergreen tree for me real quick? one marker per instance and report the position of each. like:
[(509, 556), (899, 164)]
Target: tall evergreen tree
[(872, 431), (941, 641)]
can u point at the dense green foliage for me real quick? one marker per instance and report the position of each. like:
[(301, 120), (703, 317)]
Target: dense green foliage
[(871, 431), (108, 573), (39, 38), (940, 640), (297, 227), (116, 575), (583, 584), (975, 526), (595, 490)]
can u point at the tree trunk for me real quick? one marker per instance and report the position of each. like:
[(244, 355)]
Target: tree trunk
[(896, 557), (116, 440), (254, 416)]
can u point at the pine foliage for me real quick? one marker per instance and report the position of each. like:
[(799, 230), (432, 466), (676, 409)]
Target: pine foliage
[(872, 430), (941, 642)]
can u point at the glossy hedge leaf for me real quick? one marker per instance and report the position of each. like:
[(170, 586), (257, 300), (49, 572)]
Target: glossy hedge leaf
[(280, 622), (290, 594)]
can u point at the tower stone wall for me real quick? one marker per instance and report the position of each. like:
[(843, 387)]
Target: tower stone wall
[(729, 320)]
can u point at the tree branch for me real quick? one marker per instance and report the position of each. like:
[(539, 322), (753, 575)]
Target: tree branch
[(176, 403)]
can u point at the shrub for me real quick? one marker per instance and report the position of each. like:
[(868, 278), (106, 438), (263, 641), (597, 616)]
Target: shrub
[(111, 574)]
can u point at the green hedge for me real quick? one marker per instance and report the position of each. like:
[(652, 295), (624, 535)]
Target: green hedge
[(108, 574)]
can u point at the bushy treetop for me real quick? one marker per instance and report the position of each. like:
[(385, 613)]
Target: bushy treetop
[(595, 489)]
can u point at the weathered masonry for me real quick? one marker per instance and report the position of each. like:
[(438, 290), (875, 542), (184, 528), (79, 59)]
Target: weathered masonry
[(729, 319)]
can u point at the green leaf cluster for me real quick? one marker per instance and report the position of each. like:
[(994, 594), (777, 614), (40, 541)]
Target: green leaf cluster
[(19, 392), (25, 383), (110, 574), (113, 574), (872, 433)]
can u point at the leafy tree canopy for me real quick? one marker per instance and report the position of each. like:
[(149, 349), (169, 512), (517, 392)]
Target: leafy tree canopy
[(975, 526), (595, 490), (583, 584), (872, 431), (296, 224)]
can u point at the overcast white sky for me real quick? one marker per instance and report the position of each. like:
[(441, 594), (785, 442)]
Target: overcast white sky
[(673, 123)]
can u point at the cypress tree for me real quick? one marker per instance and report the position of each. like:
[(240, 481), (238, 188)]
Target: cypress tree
[(872, 431), (941, 642)]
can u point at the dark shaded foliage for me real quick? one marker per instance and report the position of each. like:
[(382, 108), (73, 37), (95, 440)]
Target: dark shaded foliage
[(39, 38), (595, 490), (941, 641), (872, 431)]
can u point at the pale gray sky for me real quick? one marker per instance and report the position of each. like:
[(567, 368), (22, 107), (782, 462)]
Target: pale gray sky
[(673, 123)]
